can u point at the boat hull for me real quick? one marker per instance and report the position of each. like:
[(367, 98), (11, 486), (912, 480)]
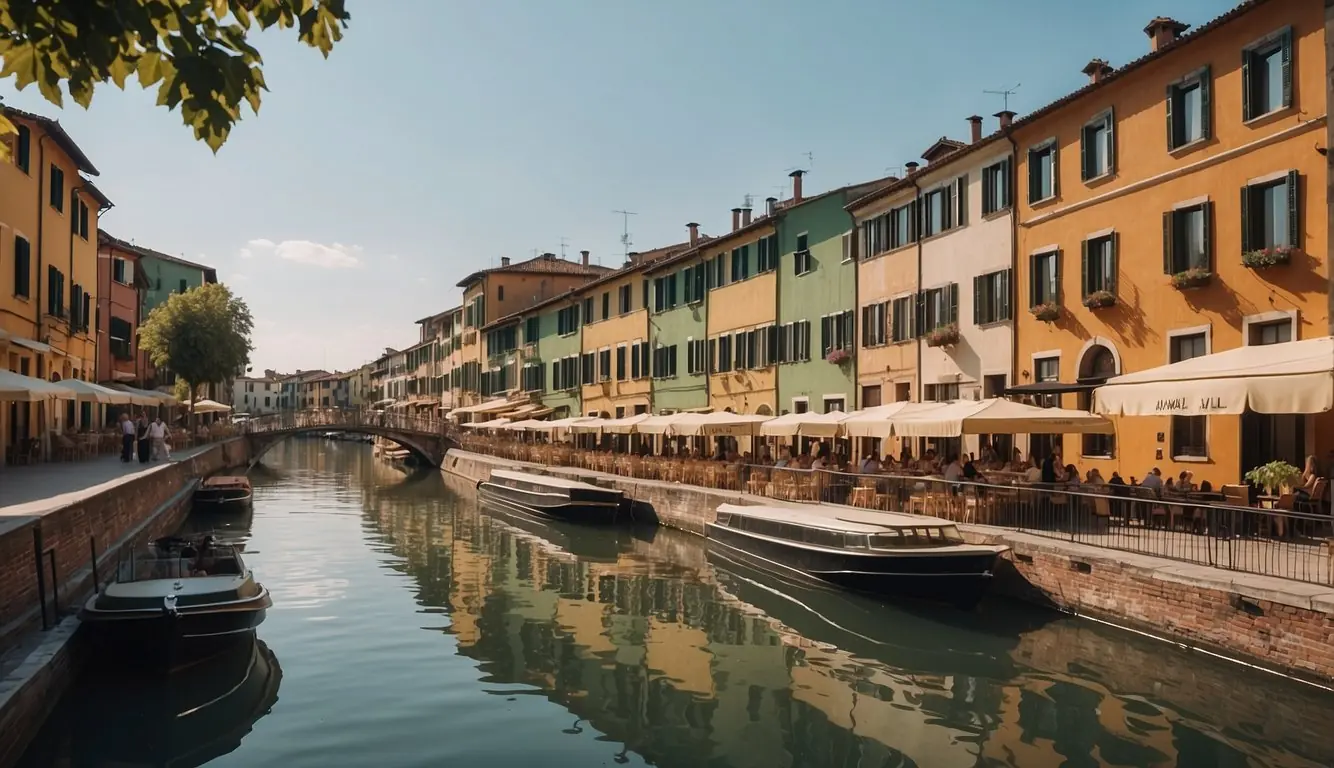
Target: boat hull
[(574, 506), (158, 638), (958, 579), (213, 497)]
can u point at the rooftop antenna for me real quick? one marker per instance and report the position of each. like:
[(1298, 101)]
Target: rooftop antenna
[(810, 160), (1005, 94), (625, 231), (564, 241)]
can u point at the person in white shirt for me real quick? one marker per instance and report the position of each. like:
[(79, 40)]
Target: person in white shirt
[(157, 436), (126, 438)]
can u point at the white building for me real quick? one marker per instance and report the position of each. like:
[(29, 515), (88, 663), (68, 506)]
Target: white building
[(256, 396)]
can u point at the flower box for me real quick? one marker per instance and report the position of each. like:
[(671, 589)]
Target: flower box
[(1192, 278), (944, 336), (839, 356), (1100, 299), (1047, 313), (1264, 258)]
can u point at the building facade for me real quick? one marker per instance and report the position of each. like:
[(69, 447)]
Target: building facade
[(120, 285), (678, 319), (1211, 136), (256, 395), (742, 341)]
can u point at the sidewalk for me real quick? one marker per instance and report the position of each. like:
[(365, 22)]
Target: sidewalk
[(32, 491)]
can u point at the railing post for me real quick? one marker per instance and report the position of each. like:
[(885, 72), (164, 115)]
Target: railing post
[(41, 576)]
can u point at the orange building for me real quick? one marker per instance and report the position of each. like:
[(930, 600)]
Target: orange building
[(1170, 208), (742, 316)]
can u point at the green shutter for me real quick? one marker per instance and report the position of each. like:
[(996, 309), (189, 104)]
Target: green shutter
[(1083, 153), (1294, 210), (1055, 168), (1206, 103), (1286, 59), (1207, 211), (1115, 267), (963, 201), (1167, 241), (1033, 280), (1111, 140), (1171, 128), (1084, 268), (1245, 85), (954, 302), (977, 299), (1005, 311), (1245, 219), (1056, 291)]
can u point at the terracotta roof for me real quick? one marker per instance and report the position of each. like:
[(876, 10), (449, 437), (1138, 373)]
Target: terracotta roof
[(1237, 12), (546, 264), (942, 149), (439, 315), (96, 193), (105, 238), (57, 133)]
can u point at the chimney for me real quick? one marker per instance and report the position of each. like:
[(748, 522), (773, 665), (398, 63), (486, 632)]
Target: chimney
[(975, 123), (736, 219), (796, 185), (745, 216), (1006, 117), (583, 258), (1097, 69), (548, 256), (770, 205), (504, 261), (1163, 31), (694, 233), (910, 168)]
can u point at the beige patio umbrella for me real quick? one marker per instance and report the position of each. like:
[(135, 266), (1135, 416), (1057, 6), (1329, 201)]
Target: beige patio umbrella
[(806, 424), (520, 426), (558, 424), (207, 406), (997, 416), (16, 387), (878, 422), (590, 424), (86, 390), (658, 425), (492, 424), (624, 426), (718, 424), (146, 396), (1296, 377)]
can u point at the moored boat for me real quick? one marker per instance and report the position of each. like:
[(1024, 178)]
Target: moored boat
[(224, 489), (884, 553), (179, 598), (556, 498)]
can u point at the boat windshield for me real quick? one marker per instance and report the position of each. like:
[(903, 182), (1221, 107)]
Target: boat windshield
[(922, 536), (177, 562)]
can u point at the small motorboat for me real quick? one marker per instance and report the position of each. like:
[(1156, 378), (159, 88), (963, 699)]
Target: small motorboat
[(224, 489), (178, 598), (554, 498), (884, 553)]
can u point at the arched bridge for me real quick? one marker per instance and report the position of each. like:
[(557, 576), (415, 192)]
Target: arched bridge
[(426, 436)]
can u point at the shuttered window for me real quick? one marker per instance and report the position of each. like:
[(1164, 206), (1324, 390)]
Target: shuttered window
[(991, 297), (1187, 237), (1266, 74), (1271, 214), (1098, 265), (22, 267)]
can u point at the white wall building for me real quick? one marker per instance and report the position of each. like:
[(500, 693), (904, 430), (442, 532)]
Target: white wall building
[(256, 396)]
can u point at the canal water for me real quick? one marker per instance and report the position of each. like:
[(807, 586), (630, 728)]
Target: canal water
[(412, 628)]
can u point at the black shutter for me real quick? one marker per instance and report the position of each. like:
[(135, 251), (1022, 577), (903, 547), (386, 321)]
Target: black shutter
[(712, 354), (1245, 219), (1167, 236), (1294, 210), (977, 292), (644, 359), (1207, 211), (988, 205), (1171, 127), (919, 320), (1083, 154), (1084, 268), (1033, 179), (826, 335), (1286, 58), (866, 326), (771, 356), (646, 304), (1004, 292), (1245, 85), (1206, 102), (1033, 280), (962, 201), (952, 294), (1056, 290), (1111, 140)]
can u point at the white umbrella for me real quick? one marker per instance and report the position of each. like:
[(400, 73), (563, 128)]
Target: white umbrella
[(492, 424), (718, 424), (998, 416), (589, 425), (624, 426), (879, 420), (806, 424), (208, 406), (519, 426), (658, 425), (558, 424), (20, 388), (86, 390)]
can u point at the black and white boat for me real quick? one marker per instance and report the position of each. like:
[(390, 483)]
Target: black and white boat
[(180, 598), (224, 490), (555, 498), (884, 553)]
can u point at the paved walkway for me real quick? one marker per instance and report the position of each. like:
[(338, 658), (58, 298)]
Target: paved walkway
[(32, 491)]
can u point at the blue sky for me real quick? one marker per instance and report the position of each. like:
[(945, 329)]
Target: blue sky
[(442, 134)]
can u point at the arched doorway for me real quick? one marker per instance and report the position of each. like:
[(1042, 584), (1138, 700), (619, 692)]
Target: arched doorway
[(763, 409), (1098, 364)]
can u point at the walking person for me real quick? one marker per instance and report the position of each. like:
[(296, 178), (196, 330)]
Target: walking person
[(141, 433), (126, 438), (157, 438)]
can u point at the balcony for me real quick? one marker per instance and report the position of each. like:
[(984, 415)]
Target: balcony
[(530, 350), (470, 337)]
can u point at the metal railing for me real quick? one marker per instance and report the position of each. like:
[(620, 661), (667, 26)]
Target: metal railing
[(1192, 528), (347, 419)]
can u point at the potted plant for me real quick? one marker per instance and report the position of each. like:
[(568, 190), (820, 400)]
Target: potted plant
[(944, 336), (1195, 277), (1100, 299), (838, 356), (1274, 256), (1275, 477), (1047, 312)]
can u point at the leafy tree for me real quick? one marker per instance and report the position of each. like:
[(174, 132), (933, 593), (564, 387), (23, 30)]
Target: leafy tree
[(195, 51), (202, 335)]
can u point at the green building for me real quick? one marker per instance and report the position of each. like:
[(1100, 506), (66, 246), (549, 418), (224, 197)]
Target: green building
[(168, 275), (678, 316), (552, 337)]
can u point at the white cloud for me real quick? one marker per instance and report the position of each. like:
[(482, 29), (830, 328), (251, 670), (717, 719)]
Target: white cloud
[(238, 278), (332, 256)]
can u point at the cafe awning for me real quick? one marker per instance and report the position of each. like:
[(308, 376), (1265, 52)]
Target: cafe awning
[(806, 424), (492, 424), (145, 396), (86, 390), (1295, 377), (878, 422), (490, 406), (208, 406), (519, 426), (588, 424), (559, 424), (718, 424), (625, 425), (657, 425), (997, 416), (1054, 387), (15, 387)]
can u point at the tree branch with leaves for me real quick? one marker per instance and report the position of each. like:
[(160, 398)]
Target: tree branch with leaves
[(196, 52), (202, 335)]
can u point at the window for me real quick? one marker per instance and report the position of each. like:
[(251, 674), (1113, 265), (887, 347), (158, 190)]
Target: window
[(939, 307), (57, 188), (996, 187), (1187, 238), (767, 258), (625, 297), (724, 362), (530, 377), (604, 365), (1266, 74), (800, 405), (587, 370), (903, 225), (22, 266), (1097, 147), (664, 362), (901, 322), (635, 368), (1044, 280), (941, 393), (531, 329), (120, 270), (834, 405), (23, 148), (121, 333), (1269, 214), (184, 286), (1189, 433), (1047, 369), (500, 293), (740, 263), (991, 297), (606, 304), (875, 324), (936, 215), (567, 320), (1276, 332), (78, 219), (719, 276), (836, 332), (1042, 171), (695, 281), (1188, 109), (696, 356), (588, 310), (802, 258), (1098, 265), (664, 293), (55, 292)]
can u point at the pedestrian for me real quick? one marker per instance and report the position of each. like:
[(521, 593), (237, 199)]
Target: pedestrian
[(141, 434), (157, 437), (126, 438)]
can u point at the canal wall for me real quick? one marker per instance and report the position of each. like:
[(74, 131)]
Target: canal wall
[(37, 667), (1276, 624)]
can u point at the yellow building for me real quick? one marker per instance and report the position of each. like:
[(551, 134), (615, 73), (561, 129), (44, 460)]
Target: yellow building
[(48, 249), (1143, 199), (743, 315)]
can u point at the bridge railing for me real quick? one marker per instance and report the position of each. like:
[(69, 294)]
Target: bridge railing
[(337, 419)]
